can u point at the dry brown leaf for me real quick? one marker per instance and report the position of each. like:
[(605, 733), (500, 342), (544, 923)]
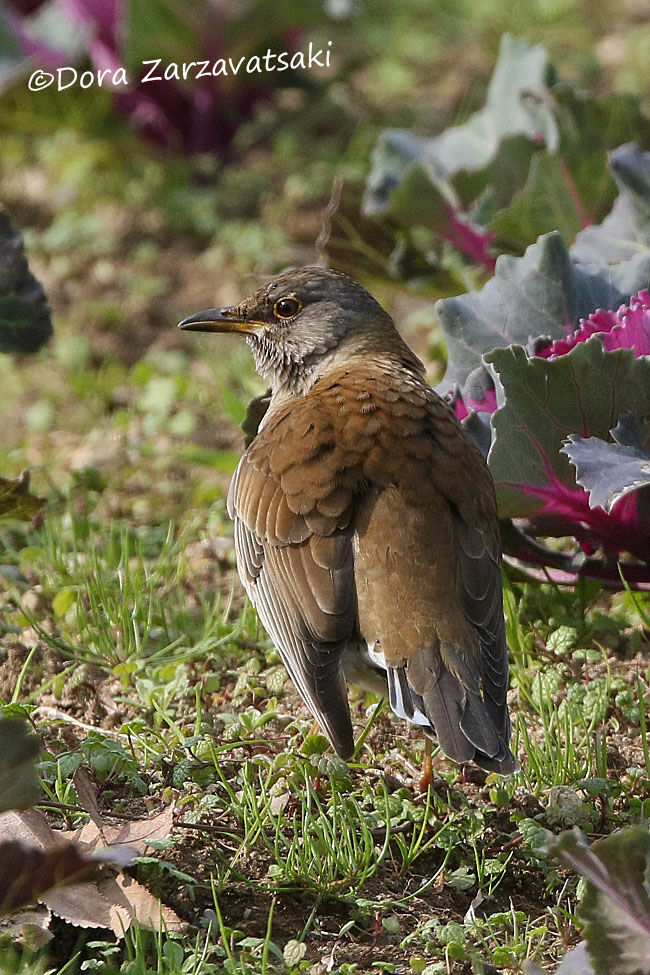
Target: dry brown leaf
[(114, 903), (88, 796), (137, 834), (41, 856), (150, 912), (98, 905), (141, 833), (32, 828), (34, 858), (29, 826), (89, 834)]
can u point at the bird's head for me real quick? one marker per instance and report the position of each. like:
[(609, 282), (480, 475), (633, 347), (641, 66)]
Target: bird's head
[(302, 322)]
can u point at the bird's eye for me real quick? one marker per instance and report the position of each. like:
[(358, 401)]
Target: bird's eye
[(286, 308)]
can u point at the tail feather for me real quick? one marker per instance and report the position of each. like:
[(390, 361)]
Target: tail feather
[(477, 725), (403, 699), (444, 705), (467, 728)]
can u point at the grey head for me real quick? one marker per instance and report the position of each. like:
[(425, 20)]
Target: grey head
[(304, 321)]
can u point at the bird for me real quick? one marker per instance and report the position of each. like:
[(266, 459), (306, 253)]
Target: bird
[(365, 521)]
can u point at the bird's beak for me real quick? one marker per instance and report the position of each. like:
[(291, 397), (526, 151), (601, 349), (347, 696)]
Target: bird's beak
[(219, 320)]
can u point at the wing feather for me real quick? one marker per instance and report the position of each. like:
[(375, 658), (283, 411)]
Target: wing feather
[(293, 541), (478, 590)]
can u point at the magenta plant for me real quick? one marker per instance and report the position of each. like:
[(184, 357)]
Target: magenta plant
[(549, 367), (625, 328), (605, 509), (550, 378)]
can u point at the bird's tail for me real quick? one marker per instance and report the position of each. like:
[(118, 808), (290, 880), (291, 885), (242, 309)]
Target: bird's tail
[(427, 694)]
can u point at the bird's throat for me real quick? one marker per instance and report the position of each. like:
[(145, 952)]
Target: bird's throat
[(287, 371)]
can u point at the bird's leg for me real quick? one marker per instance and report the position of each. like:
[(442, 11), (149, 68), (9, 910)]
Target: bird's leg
[(316, 730), (426, 779)]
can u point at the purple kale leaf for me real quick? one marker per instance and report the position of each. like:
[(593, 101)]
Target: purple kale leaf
[(542, 402), (615, 910), (611, 471), (626, 328)]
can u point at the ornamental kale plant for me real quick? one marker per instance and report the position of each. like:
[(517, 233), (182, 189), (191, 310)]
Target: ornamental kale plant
[(615, 907), (530, 162), (549, 368)]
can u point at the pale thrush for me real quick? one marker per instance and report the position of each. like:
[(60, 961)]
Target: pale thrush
[(365, 521)]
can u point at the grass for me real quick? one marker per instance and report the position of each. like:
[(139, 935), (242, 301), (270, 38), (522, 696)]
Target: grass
[(286, 852), (124, 634)]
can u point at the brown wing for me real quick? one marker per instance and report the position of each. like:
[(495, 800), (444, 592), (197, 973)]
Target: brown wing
[(429, 576), (479, 596), (460, 685), (292, 501)]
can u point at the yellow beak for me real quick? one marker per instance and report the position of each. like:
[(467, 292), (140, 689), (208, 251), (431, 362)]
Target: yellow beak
[(218, 320)]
